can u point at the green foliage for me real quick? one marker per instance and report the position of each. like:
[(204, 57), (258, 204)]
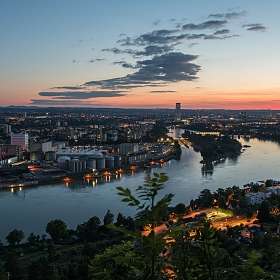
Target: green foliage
[(214, 148), (117, 262), (128, 223), (57, 229), (88, 230), (251, 268), (180, 208), (152, 211), (205, 199)]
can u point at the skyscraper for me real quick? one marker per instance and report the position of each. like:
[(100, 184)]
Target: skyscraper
[(20, 139), (178, 113)]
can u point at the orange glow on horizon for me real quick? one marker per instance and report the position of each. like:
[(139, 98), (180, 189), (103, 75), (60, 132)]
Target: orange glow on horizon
[(191, 98)]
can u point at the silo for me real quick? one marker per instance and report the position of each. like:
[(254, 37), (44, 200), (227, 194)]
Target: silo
[(63, 162), (50, 156), (117, 161), (91, 163), (100, 163), (75, 165), (35, 156), (109, 162)]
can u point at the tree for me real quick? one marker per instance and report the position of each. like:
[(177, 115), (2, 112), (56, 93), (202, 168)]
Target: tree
[(108, 218), (15, 237), (264, 212), (13, 266), (183, 258), (205, 199), (268, 183), (180, 208), (251, 269), (209, 249), (150, 211), (33, 239), (88, 230), (57, 229), (117, 262), (127, 223), (120, 220), (42, 269)]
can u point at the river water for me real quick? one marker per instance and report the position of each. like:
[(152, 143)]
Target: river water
[(31, 209)]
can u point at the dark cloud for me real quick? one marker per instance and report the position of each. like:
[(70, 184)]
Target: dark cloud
[(125, 64), (162, 91), (161, 41), (171, 67), (222, 32), (154, 50), (80, 94), (118, 51), (96, 60), (69, 87), (147, 51), (51, 102), (210, 24), (163, 66), (162, 36), (255, 27), (229, 15), (215, 37), (156, 22)]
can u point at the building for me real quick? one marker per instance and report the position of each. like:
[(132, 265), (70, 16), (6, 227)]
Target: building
[(5, 129), (259, 197), (21, 140), (128, 148), (8, 154), (178, 113), (80, 159)]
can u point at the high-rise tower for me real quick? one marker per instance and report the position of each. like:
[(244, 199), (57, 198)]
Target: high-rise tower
[(178, 113)]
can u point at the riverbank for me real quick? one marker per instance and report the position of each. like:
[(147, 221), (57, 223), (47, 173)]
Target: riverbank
[(51, 176), (81, 200)]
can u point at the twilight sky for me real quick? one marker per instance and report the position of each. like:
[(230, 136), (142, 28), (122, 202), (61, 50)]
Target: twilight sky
[(148, 53)]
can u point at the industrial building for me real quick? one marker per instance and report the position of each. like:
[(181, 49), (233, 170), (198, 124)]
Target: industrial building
[(80, 159)]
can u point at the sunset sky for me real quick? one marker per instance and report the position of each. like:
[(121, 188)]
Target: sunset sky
[(148, 53)]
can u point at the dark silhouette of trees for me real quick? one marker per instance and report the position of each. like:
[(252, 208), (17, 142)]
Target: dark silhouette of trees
[(108, 218), (88, 230), (57, 229), (15, 237)]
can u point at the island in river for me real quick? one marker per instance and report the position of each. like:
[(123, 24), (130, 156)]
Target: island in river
[(214, 148)]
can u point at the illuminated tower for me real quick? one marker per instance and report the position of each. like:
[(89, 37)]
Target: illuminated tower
[(178, 112)]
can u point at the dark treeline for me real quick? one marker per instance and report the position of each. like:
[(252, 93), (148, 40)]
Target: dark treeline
[(213, 148)]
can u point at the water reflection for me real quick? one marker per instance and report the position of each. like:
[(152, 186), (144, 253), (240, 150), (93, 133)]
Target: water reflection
[(31, 209), (207, 169)]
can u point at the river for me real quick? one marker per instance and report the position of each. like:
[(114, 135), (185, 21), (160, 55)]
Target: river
[(31, 209)]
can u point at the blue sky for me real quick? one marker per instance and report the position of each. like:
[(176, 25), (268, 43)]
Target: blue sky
[(45, 44)]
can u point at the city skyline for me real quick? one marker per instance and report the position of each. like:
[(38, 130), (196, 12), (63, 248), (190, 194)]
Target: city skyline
[(140, 55)]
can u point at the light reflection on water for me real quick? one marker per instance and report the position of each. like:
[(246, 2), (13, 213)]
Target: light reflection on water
[(31, 209)]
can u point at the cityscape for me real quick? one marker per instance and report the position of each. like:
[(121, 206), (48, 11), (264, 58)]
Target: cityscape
[(139, 140)]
